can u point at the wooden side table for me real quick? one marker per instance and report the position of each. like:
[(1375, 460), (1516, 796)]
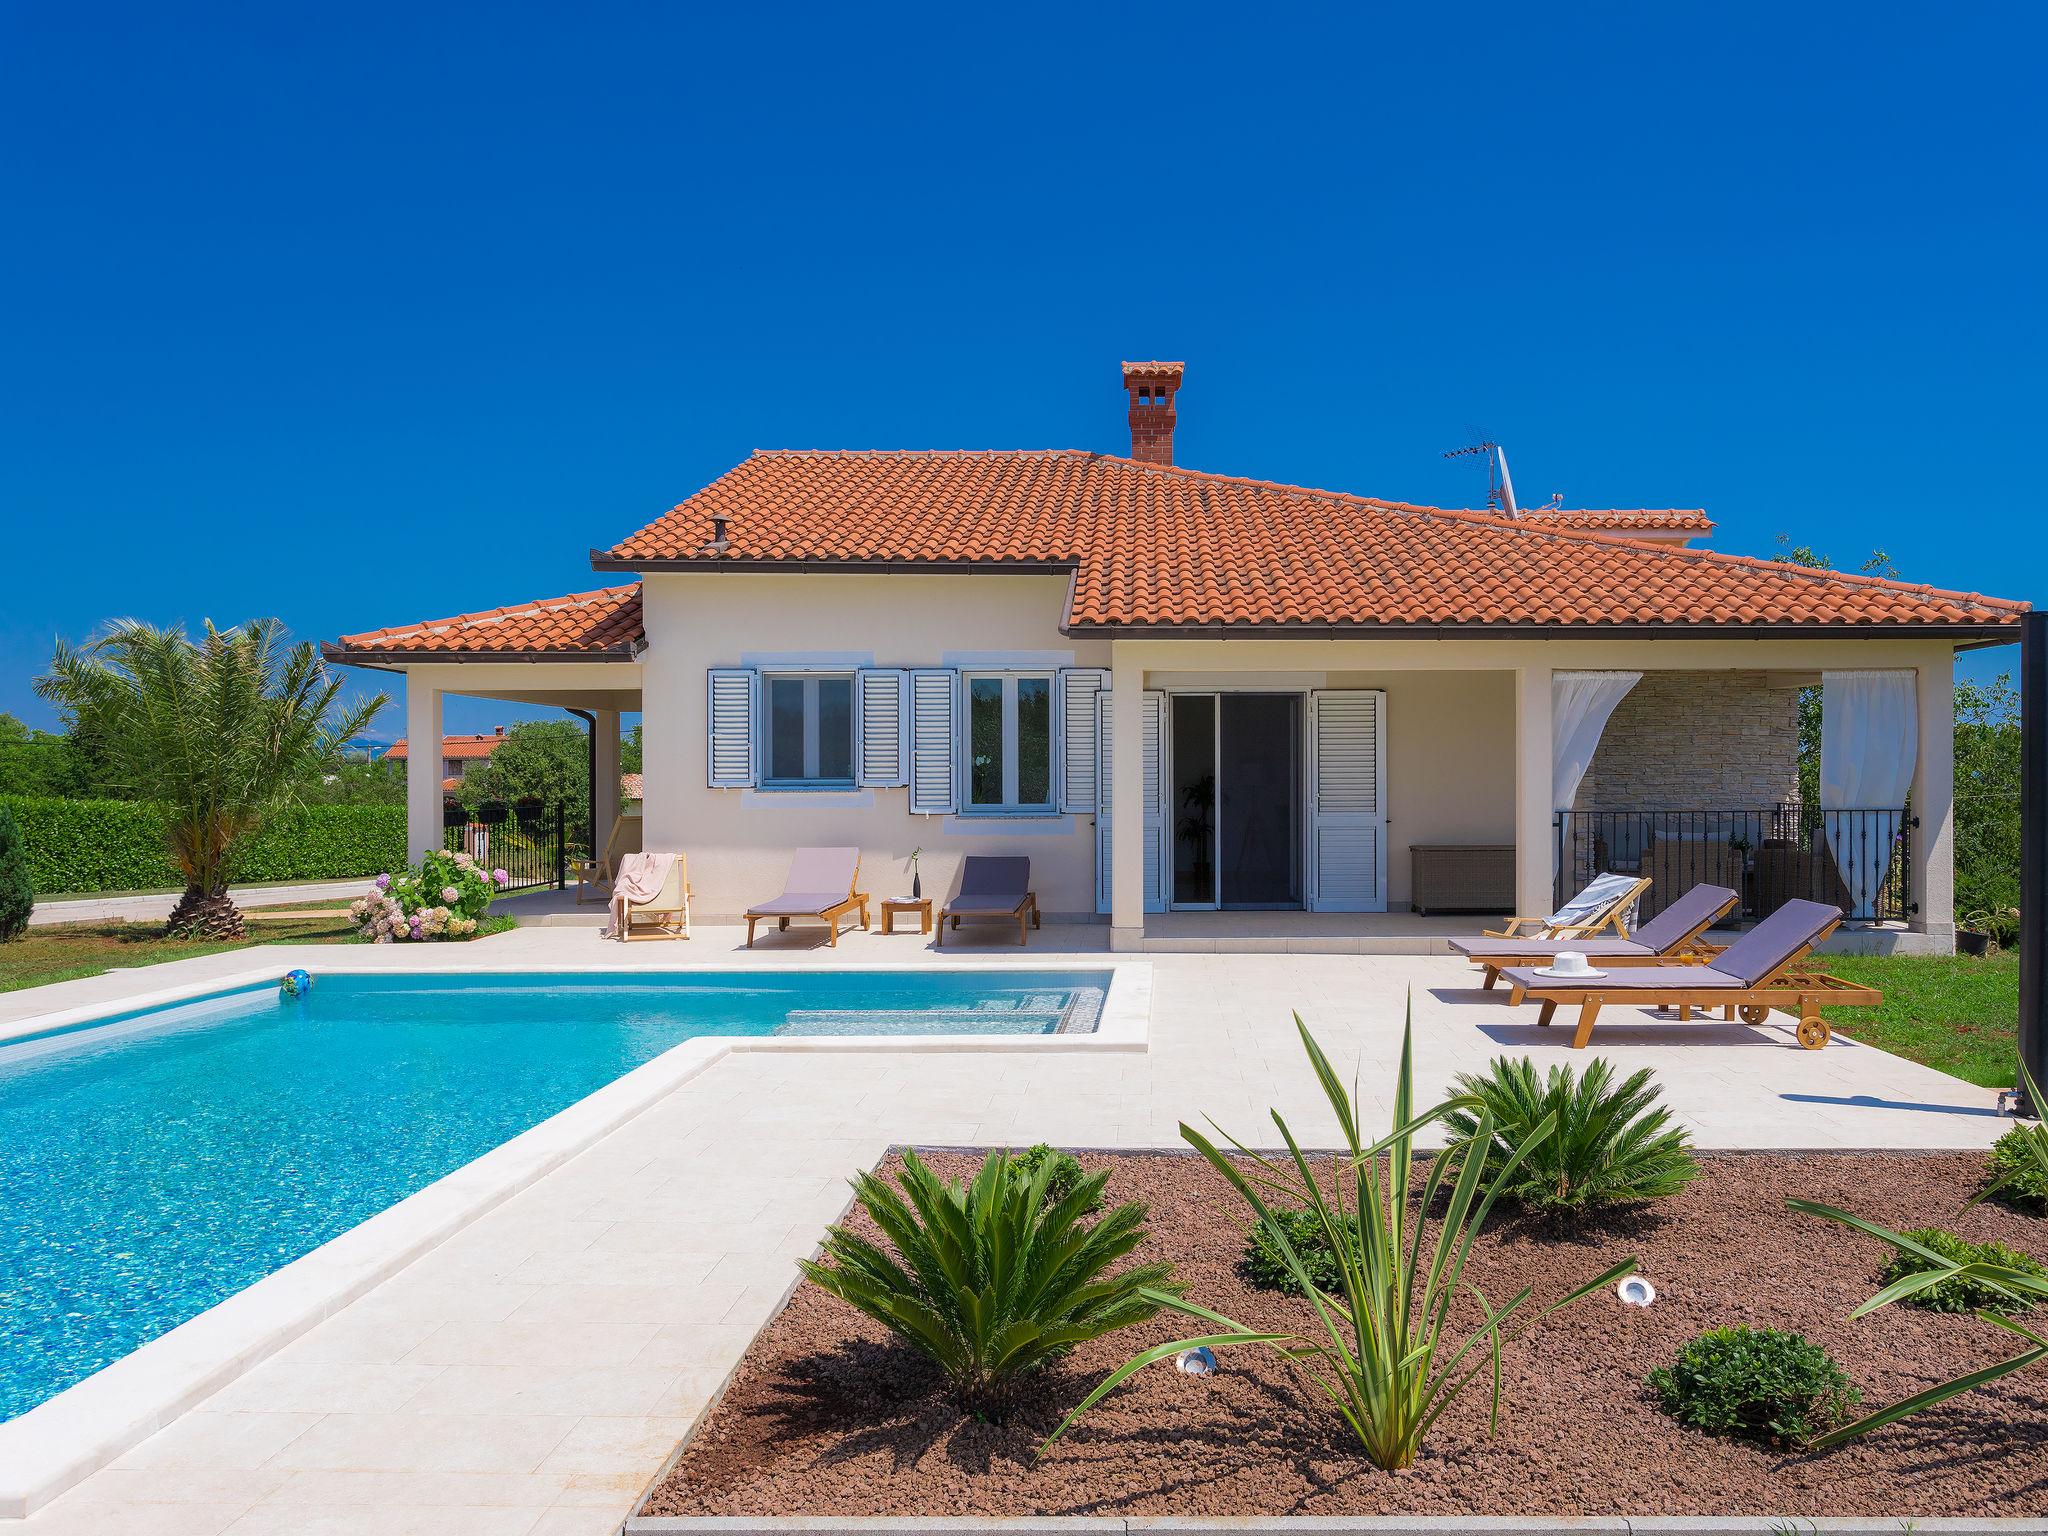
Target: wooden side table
[(921, 905)]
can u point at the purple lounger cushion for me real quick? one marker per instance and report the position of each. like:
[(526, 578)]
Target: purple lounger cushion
[(1740, 966), (818, 878), (1685, 916), (991, 883)]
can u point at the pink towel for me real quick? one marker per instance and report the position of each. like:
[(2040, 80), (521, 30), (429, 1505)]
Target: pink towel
[(641, 877)]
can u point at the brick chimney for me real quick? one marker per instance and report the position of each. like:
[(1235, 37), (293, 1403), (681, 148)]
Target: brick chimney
[(1152, 387)]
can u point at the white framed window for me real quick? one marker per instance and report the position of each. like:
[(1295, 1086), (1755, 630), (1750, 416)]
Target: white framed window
[(806, 730), (1008, 764)]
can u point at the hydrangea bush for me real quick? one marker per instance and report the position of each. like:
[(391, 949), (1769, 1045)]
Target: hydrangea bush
[(441, 897)]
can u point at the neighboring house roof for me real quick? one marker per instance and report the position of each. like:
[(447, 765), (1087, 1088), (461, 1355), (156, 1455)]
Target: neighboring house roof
[(630, 787), (456, 746), (1158, 549), (601, 626), (1616, 519)]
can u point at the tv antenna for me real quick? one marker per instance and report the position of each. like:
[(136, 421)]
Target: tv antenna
[(1500, 489)]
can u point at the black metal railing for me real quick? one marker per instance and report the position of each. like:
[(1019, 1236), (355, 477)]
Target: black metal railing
[(527, 839), (1859, 860)]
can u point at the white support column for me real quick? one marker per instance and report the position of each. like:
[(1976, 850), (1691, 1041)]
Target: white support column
[(604, 794), (1535, 830), (1126, 799), (1933, 877), (422, 767)]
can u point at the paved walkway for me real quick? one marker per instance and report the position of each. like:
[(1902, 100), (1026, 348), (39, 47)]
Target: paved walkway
[(101, 909), (530, 1375)]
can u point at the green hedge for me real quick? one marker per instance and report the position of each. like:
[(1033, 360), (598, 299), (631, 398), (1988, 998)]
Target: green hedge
[(118, 845)]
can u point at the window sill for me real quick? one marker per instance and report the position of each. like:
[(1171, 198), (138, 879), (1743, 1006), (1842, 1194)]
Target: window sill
[(1014, 823), (842, 796)]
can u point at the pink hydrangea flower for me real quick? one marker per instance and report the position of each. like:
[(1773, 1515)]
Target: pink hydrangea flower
[(449, 893), (501, 877), (383, 882)]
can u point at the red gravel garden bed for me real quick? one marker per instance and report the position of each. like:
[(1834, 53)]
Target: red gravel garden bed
[(828, 1415)]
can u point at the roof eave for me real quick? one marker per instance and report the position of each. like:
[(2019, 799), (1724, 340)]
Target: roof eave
[(1978, 635), (605, 560), (386, 657)]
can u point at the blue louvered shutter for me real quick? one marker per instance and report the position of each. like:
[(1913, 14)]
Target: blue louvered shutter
[(734, 692), (881, 753), (1079, 687), (934, 714)]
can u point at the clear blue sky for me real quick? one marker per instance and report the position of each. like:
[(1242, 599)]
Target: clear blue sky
[(384, 313)]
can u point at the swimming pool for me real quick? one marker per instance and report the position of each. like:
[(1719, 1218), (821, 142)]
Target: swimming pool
[(155, 1163)]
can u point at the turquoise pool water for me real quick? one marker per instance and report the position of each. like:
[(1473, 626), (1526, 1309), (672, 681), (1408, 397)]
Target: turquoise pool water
[(155, 1164)]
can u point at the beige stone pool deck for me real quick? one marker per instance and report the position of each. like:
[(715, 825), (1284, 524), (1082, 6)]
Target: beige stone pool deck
[(532, 1372)]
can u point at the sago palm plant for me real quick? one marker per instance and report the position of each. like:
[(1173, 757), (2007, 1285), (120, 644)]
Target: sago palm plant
[(989, 1278), (1609, 1145), (219, 730), (1383, 1349)]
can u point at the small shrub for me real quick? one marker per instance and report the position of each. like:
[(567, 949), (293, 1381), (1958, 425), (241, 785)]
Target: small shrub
[(2018, 1170), (986, 1278), (444, 896), (1066, 1173), (1755, 1384), (1962, 1294), (1264, 1266), (17, 896), (1610, 1145)]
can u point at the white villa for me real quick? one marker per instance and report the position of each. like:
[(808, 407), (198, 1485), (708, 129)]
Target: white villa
[(1291, 698)]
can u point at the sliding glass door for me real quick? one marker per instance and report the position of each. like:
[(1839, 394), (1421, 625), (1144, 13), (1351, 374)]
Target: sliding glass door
[(1235, 799)]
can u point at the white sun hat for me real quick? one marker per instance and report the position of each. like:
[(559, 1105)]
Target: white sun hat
[(1569, 965)]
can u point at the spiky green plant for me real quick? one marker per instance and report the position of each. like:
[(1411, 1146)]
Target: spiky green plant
[(989, 1278), (1610, 1145), (1382, 1349), (1931, 1270), (2019, 1168), (220, 730)]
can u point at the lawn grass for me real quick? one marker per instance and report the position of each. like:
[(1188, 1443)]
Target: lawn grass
[(70, 951), (1958, 1015)]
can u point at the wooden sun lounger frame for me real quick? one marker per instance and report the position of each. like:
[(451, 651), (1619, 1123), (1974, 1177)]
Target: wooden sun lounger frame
[(1615, 917), (660, 917), (1025, 912), (1788, 987), (1690, 950), (855, 899)]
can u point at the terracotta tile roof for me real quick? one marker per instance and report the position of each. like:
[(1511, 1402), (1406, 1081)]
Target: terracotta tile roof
[(1160, 547), (455, 746), (632, 787), (601, 625), (1616, 519)]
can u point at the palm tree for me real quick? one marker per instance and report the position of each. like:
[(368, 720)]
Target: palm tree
[(220, 730)]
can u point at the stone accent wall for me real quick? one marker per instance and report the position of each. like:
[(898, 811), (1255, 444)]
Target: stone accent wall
[(1697, 741)]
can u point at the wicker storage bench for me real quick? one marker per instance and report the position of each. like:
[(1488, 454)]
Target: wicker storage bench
[(1447, 878)]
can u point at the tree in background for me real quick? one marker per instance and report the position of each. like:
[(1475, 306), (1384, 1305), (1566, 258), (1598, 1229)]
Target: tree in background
[(546, 760), (357, 780), (17, 897), (36, 762), (631, 754), (1987, 836), (221, 730)]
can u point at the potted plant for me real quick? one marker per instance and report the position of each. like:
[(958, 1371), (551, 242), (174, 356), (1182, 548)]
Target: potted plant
[(1988, 926)]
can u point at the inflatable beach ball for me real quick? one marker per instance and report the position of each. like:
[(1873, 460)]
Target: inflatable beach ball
[(295, 984)]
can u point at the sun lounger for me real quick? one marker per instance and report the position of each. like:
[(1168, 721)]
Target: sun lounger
[(666, 909), (1673, 934), (1606, 903), (596, 874), (1760, 971), (992, 890), (821, 886)]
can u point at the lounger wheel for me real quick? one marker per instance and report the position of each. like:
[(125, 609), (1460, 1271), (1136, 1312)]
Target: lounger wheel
[(1813, 1032), (1756, 1013)]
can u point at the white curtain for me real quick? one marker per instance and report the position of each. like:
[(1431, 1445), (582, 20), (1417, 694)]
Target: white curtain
[(1869, 741), (1580, 703)]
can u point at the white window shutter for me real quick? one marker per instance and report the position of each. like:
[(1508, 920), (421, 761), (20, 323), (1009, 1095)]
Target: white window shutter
[(934, 711), (881, 724), (1079, 687), (1153, 740), (1347, 800), (733, 695)]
